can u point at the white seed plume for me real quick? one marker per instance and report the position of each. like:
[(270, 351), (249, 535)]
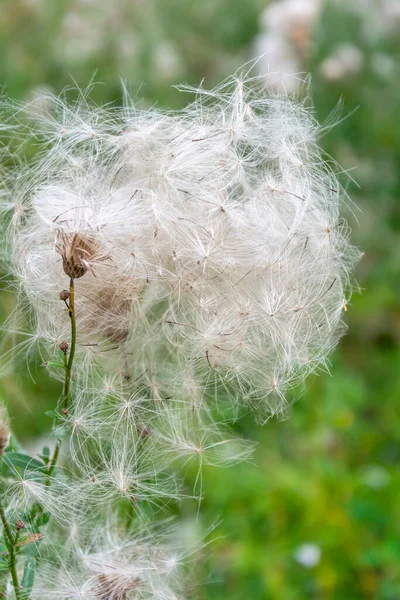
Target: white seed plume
[(107, 563), (208, 250), (28, 490)]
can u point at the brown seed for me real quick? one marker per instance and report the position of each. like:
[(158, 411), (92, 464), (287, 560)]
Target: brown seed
[(64, 347), (19, 525)]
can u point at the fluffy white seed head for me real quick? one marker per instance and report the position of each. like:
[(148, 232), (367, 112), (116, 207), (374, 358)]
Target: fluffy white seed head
[(207, 246)]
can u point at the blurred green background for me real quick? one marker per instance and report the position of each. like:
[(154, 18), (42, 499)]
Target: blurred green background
[(317, 516)]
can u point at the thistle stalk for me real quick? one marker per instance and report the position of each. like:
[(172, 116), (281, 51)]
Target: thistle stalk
[(66, 396), (11, 543)]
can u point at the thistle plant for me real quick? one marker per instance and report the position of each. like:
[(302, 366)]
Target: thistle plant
[(177, 267)]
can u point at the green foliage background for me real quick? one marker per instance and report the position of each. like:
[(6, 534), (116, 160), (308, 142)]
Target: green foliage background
[(330, 474)]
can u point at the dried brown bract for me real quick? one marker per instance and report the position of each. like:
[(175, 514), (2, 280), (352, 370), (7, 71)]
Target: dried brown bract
[(79, 254)]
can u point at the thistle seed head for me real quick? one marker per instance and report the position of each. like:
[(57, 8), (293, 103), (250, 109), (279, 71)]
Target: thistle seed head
[(228, 260), (79, 253)]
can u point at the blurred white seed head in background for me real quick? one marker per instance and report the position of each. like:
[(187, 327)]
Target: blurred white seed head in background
[(308, 555), (285, 39), (346, 61)]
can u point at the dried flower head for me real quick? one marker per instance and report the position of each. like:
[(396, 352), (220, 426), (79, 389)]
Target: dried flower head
[(79, 254)]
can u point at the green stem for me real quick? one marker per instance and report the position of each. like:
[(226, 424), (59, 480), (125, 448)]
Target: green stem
[(68, 370), (7, 528), (11, 548), (66, 397), (11, 540)]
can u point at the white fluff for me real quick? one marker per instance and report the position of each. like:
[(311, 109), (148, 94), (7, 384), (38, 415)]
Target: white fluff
[(217, 259)]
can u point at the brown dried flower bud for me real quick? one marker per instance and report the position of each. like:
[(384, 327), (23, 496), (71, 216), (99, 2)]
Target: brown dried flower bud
[(78, 254), (64, 295), (19, 525), (64, 347)]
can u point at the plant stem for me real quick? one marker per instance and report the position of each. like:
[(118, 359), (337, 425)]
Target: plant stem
[(6, 525), (68, 369), (12, 540), (11, 548), (67, 379)]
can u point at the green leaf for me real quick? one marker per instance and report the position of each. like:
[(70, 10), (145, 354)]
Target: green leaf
[(42, 519), (53, 414), (31, 550), (28, 578), (31, 514), (16, 464), (4, 557), (29, 546), (14, 445), (23, 461), (54, 364), (45, 456)]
